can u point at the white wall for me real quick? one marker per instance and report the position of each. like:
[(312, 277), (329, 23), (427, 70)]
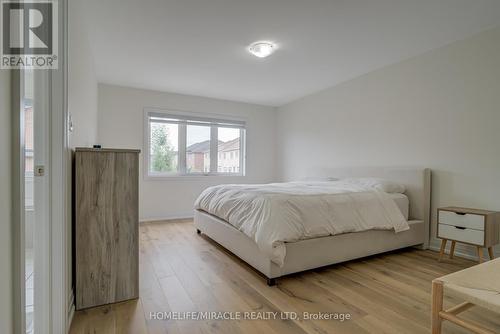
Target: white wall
[(121, 126), (82, 81), (82, 106), (6, 301), (440, 110)]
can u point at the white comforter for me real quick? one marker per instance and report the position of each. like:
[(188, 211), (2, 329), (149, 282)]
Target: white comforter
[(272, 214)]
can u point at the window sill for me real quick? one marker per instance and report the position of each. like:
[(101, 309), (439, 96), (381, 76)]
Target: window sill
[(188, 177)]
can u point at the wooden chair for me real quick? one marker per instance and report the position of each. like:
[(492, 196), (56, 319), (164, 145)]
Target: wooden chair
[(478, 286)]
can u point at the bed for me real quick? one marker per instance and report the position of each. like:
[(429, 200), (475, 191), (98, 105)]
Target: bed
[(315, 252)]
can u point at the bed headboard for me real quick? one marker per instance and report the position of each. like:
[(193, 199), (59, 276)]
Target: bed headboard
[(416, 180)]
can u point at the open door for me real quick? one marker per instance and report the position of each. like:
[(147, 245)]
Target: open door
[(35, 225)]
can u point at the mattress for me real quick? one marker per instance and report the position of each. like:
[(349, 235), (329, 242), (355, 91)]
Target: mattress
[(402, 202), (276, 213)]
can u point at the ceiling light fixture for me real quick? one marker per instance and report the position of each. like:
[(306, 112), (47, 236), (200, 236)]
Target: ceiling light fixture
[(262, 49)]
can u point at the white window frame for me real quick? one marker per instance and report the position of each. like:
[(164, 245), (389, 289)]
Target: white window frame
[(183, 118)]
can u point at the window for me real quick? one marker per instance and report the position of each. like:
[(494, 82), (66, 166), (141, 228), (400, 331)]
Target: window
[(179, 144)]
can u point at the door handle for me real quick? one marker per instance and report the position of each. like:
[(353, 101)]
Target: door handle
[(39, 170)]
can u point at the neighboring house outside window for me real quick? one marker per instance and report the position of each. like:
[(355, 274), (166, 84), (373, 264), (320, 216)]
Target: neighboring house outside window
[(29, 158), (230, 161), (28, 137), (198, 156)]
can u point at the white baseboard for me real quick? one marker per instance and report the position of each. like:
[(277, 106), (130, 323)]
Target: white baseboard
[(461, 250), (169, 217), (465, 255)]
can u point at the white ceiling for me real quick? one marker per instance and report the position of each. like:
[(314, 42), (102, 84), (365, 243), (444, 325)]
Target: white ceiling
[(198, 47)]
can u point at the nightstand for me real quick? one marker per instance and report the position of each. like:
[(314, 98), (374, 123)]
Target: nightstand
[(475, 227)]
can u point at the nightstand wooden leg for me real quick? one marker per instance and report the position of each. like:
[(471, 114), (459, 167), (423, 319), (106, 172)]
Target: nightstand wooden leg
[(441, 251), (490, 253), (480, 253), (452, 249), (437, 306)]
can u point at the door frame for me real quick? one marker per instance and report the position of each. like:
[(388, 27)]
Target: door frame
[(18, 210), (61, 260), (58, 308)]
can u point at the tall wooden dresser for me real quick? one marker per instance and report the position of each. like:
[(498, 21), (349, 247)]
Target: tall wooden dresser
[(106, 226)]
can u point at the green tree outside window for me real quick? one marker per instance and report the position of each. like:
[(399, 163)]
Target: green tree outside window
[(163, 155)]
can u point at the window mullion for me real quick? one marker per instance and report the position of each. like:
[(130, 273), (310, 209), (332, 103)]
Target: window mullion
[(242, 151), (147, 154), (182, 148), (214, 148)]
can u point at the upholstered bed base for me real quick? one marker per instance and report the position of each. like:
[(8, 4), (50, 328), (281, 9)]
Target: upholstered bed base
[(311, 253), (318, 252)]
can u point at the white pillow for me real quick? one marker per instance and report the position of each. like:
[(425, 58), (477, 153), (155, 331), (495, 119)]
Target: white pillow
[(379, 184), (319, 179)]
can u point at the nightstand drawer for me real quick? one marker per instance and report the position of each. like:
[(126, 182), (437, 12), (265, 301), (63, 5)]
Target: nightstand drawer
[(467, 220), (467, 235)]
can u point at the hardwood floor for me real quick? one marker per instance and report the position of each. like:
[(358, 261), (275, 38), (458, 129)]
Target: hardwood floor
[(182, 271)]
